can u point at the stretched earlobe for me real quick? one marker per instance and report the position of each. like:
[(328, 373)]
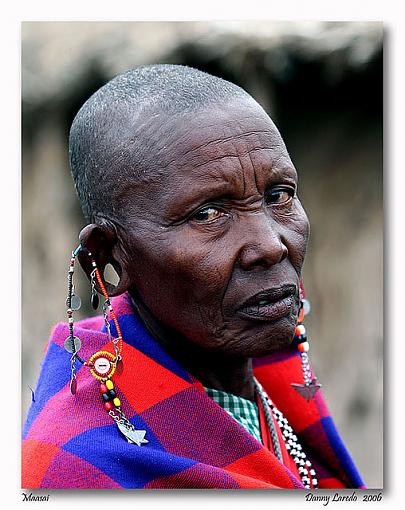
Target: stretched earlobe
[(100, 242)]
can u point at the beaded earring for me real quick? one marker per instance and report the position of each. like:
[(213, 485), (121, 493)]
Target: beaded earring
[(311, 385), (102, 364)]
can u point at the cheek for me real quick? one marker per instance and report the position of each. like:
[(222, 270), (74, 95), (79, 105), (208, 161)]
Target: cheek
[(181, 271), (296, 234), (183, 284)]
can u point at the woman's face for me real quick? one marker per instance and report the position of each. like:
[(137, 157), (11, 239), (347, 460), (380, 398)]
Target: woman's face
[(216, 243)]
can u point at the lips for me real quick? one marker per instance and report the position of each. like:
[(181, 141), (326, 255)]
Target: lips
[(270, 304)]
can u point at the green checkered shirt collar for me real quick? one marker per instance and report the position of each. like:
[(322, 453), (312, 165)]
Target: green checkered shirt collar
[(244, 411)]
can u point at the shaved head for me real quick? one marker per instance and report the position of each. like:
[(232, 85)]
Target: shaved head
[(116, 137), (193, 199)]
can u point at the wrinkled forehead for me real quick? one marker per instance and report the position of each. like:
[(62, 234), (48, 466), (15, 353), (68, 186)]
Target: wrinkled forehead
[(216, 137), (240, 123), (216, 147), (153, 140)]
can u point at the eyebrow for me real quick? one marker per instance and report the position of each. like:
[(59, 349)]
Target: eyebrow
[(222, 186), (199, 195)]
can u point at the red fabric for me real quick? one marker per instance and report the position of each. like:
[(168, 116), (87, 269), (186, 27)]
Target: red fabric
[(193, 442)]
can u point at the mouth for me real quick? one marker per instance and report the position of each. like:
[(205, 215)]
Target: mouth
[(269, 305)]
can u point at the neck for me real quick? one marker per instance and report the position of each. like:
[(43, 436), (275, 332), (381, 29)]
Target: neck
[(217, 370)]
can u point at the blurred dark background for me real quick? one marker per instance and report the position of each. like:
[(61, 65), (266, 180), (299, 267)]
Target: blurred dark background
[(322, 83)]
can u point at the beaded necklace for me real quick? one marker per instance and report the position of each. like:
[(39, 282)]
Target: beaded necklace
[(304, 466)]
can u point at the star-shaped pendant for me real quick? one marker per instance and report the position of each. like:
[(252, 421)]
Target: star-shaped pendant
[(307, 390), (133, 436)]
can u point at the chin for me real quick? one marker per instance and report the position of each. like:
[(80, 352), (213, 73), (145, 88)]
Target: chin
[(273, 346), (263, 339)]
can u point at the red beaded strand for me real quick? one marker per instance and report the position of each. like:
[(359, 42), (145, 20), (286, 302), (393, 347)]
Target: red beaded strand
[(310, 386), (102, 364)]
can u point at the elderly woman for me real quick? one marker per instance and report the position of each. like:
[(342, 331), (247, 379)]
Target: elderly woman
[(196, 375)]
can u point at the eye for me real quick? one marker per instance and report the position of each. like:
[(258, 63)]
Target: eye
[(279, 195), (207, 214)]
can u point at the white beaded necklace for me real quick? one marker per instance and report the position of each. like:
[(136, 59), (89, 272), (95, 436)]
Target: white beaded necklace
[(305, 469)]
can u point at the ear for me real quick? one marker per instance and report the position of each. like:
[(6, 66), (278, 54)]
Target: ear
[(100, 243)]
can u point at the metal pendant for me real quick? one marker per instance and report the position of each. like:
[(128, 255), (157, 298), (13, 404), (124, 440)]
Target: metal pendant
[(72, 344), (307, 390), (133, 436), (73, 386), (95, 300), (120, 367), (75, 302)]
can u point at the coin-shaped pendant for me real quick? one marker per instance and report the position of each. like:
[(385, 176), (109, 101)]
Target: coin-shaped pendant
[(75, 302), (73, 386), (72, 344), (95, 300)]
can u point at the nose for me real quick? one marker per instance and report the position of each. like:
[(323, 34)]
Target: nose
[(263, 244)]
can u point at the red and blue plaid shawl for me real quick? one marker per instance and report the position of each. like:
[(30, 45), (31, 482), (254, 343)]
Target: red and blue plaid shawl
[(71, 441)]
